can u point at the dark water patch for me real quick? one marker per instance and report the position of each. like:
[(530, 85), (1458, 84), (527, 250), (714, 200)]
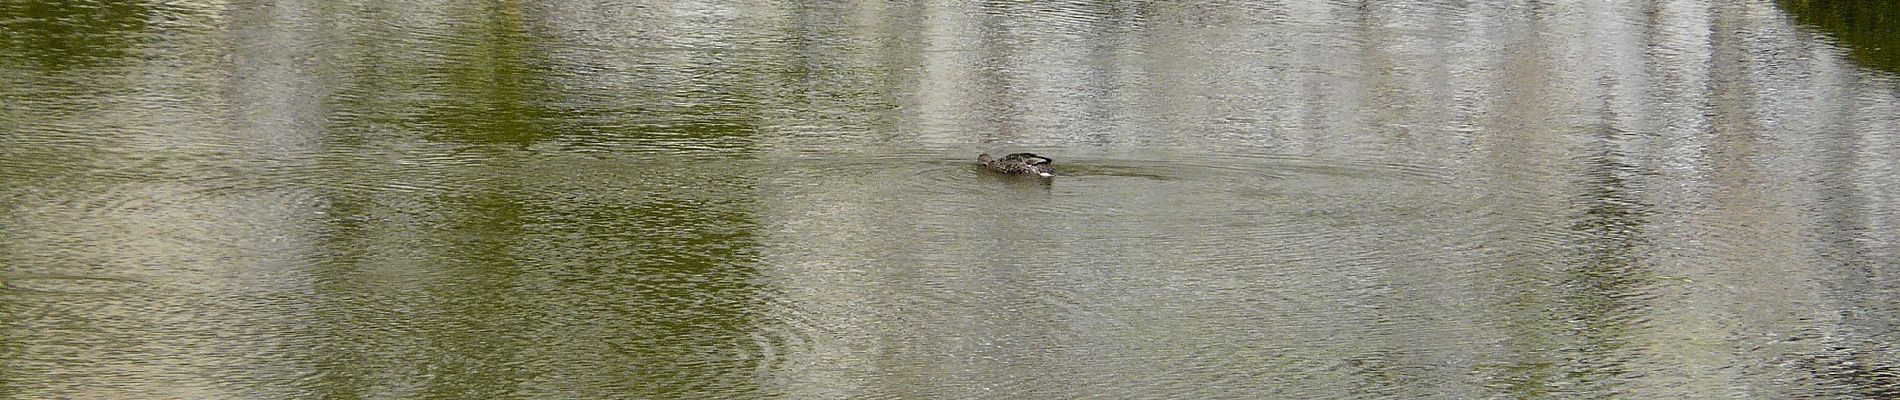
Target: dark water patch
[(1866, 28), (55, 36)]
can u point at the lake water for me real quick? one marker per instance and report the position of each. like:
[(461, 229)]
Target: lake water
[(1306, 199)]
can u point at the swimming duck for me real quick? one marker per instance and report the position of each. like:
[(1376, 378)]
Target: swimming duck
[(1019, 164)]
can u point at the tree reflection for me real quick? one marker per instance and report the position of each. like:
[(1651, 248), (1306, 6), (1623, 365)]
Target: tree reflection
[(1869, 29), (57, 35)]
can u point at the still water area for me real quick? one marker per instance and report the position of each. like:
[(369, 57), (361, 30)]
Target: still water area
[(557, 199)]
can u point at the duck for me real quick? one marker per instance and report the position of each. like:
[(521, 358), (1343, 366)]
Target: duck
[(1025, 164)]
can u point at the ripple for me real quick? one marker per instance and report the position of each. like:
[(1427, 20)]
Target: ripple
[(69, 284)]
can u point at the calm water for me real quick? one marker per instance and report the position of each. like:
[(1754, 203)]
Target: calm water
[(550, 199)]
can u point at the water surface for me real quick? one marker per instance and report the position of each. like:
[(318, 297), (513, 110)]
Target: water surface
[(547, 199)]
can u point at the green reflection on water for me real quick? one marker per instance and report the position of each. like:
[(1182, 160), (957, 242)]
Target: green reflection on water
[(480, 311), (1870, 29), (1607, 271), (59, 35), (633, 277), (1573, 328), (496, 85)]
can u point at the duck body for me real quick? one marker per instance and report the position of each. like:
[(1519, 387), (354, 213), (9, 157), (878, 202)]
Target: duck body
[(1024, 164)]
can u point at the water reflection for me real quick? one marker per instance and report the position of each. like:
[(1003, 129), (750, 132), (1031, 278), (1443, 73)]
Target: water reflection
[(1861, 25), (56, 36), (705, 199), (543, 275)]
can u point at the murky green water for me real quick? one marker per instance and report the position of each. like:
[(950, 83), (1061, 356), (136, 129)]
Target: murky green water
[(546, 199)]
